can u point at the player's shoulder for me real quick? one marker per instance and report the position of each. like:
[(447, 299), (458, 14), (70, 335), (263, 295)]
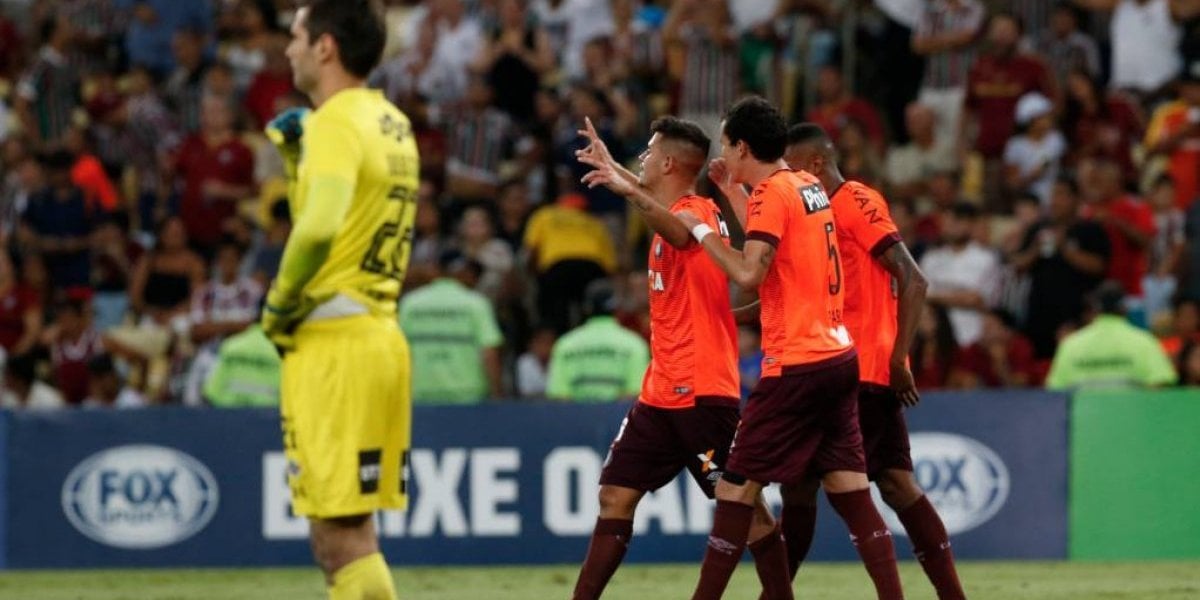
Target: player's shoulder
[(693, 201)]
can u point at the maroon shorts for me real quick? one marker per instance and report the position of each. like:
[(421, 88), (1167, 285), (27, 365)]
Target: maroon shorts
[(655, 444), (801, 424), (885, 435)]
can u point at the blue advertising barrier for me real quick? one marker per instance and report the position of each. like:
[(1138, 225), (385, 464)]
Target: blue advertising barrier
[(490, 485)]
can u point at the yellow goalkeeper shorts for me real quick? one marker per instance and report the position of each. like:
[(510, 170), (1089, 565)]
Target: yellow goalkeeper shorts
[(346, 412)]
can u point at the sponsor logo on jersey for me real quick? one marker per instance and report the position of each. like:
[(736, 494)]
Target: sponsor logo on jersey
[(814, 198), (140, 496)]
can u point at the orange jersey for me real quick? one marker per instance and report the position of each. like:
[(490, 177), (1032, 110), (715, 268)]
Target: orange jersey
[(864, 231), (801, 295), (693, 339)]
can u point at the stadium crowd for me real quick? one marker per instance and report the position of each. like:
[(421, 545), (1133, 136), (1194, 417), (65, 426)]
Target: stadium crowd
[(1041, 159)]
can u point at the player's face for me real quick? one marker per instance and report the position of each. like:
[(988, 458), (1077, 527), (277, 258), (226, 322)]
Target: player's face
[(301, 54), (733, 156), (652, 159)]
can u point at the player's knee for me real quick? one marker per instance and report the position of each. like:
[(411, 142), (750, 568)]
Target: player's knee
[(898, 488), (617, 502)]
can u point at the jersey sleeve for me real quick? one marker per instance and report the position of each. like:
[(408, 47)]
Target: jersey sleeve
[(867, 219), (766, 215)]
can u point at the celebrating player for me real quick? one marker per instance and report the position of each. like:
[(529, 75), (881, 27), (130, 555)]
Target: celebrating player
[(332, 308), (802, 417), (687, 411), (885, 291)]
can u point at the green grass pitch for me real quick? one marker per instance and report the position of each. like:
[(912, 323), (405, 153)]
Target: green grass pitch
[(983, 580)]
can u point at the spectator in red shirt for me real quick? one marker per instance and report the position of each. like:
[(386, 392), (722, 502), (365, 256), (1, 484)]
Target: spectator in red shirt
[(73, 343), (1100, 124), (20, 311), (998, 79), (1175, 133), (836, 107), (1001, 358), (216, 170), (1127, 220), (273, 82)]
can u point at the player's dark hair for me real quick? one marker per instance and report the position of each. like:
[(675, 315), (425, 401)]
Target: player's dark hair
[(803, 133), (679, 130), (759, 124), (357, 26)]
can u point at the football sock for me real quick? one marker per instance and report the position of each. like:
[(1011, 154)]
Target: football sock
[(872, 540), (799, 524), (610, 540), (932, 547), (731, 525), (366, 578), (770, 560)]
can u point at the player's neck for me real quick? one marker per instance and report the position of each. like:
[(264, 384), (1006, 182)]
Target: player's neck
[(332, 83), (671, 191), (758, 171), (831, 180)]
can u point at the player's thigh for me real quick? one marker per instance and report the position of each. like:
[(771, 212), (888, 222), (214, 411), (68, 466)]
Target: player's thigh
[(645, 455), (779, 431), (705, 433), (841, 447), (884, 431)]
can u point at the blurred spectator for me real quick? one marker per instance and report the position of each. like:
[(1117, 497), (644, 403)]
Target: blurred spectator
[(568, 249), (1184, 326), (1166, 249), (184, 88), (1127, 220), (113, 257), (456, 41), (269, 85), (1145, 37), (1001, 358), (20, 312), (480, 137), (569, 24), (153, 24), (74, 343), (1188, 365), (516, 58), (1065, 47), (227, 303), (215, 170), (1031, 158), (1100, 124), (1175, 132), (933, 349), (858, 158), (478, 242), (750, 358), (708, 82), (453, 336), (533, 364), (909, 166), (246, 372), (598, 361), (12, 48), (255, 38), (901, 69), (1066, 258), (428, 243), (148, 132), (946, 35), (1110, 352), (166, 276), (636, 44), (107, 388), (87, 173), (514, 207), (962, 274), (633, 310), (59, 221), (996, 83), (266, 261), (837, 106), (49, 91), (22, 389)]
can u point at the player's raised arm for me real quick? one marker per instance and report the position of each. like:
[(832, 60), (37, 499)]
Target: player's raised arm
[(747, 268)]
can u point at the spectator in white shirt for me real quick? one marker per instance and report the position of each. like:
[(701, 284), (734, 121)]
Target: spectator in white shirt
[(962, 273), (1145, 38), (1032, 157), (533, 364)]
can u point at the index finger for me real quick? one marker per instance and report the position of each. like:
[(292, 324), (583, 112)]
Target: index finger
[(589, 130)]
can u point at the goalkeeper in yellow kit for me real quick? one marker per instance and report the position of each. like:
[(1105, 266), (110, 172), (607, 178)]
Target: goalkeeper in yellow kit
[(353, 171)]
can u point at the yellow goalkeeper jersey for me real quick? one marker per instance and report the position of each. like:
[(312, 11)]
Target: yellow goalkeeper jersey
[(356, 185)]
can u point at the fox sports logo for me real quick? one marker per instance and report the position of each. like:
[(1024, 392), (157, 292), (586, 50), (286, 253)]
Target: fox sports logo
[(965, 480), (140, 496)]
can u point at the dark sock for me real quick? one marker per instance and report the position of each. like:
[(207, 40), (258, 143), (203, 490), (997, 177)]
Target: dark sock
[(610, 540), (731, 525), (799, 523), (932, 547), (770, 560), (872, 540)]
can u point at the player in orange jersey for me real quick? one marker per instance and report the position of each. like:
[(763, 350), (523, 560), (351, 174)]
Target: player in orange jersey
[(802, 419), (687, 412)]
